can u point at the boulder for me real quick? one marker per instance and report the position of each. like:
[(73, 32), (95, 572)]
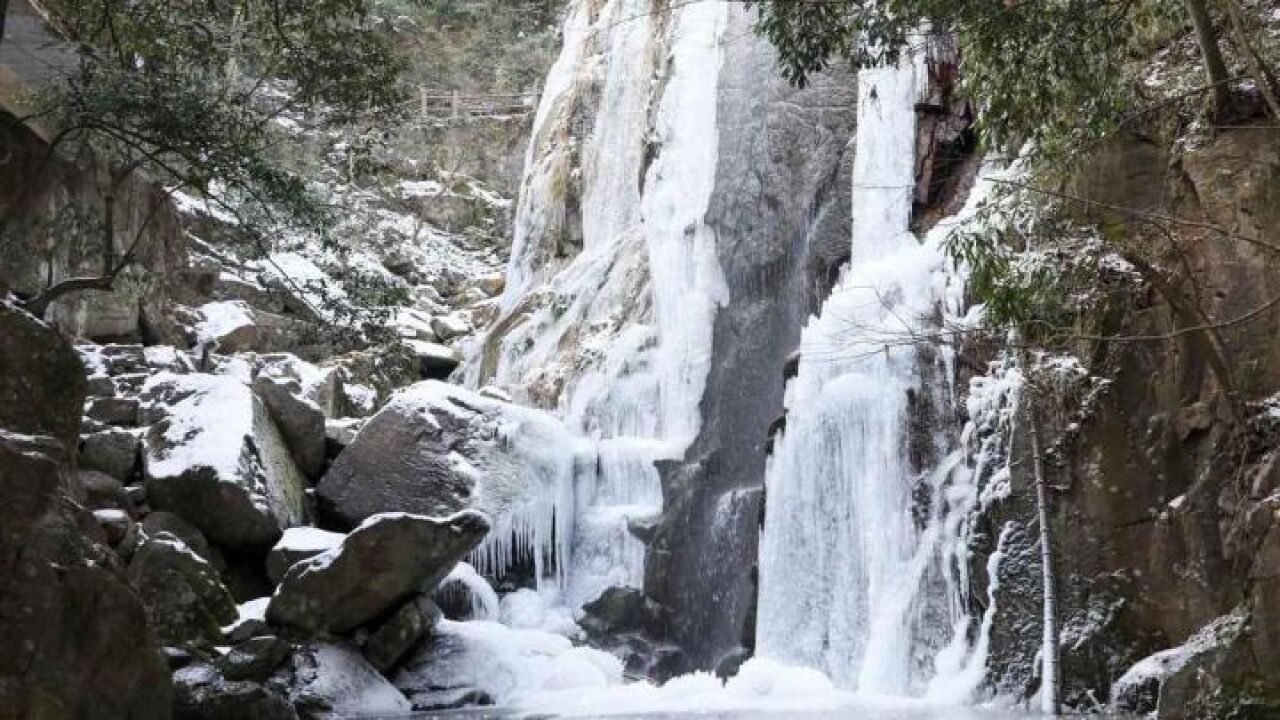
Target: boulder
[(396, 636), (162, 521), (115, 524), (333, 680), (447, 327), (113, 451), (120, 411), (435, 361), (301, 421), (381, 564), (254, 659), (103, 492), (202, 693), (185, 600), (340, 433), (298, 544), (426, 451), (75, 637), (217, 460), (42, 381), (492, 284), (227, 326)]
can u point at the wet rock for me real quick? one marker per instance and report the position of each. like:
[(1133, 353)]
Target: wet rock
[(254, 659), (114, 452), (301, 421), (103, 492), (395, 637), (42, 379), (383, 562), (298, 544), (201, 693), (119, 411), (333, 679), (217, 460), (185, 600)]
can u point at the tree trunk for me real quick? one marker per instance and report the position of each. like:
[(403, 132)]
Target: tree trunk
[(1049, 696), (1214, 66)]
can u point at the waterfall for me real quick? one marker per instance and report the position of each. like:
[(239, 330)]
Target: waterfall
[(862, 566), (614, 283)]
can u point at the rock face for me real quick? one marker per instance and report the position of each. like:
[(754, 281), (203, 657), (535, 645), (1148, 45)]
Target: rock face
[(382, 563), (218, 461), (435, 449), (75, 636), (43, 382)]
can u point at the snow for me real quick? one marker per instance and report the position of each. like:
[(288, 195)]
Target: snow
[(194, 440), (348, 685), (255, 609), (1163, 664), (220, 319), (307, 539)]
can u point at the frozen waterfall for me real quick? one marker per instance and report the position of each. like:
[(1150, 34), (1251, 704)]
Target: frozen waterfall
[(861, 567), (614, 283)]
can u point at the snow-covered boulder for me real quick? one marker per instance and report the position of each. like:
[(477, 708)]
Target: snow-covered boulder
[(333, 680), (447, 327), (200, 691), (229, 326), (385, 561), (435, 361), (217, 460), (435, 449), (298, 544)]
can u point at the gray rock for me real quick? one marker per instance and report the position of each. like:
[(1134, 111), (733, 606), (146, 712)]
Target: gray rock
[(162, 521), (103, 492), (382, 563), (218, 461), (298, 544), (394, 638), (435, 361), (114, 452), (333, 679), (425, 450), (246, 629), (301, 422), (201, 693), (42, 385), (101, 386), (114, 411), (254, 659), (124, 359), (185, 600), (447, 327)]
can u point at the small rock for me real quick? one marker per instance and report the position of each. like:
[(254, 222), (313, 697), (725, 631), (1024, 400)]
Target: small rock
[(388, 644), (103, 492), (254, 659), (176, 657), (435, 361), (162, 521), (114, 452), (492, 284), (246, 628), (201, 693), (137, 494), (114, 411), (340, 433), (101, 386), (472, 296), (447, 327), (115, 525), (124, 359)]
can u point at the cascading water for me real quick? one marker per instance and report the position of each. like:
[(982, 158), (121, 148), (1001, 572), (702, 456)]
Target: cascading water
[(861, 560)]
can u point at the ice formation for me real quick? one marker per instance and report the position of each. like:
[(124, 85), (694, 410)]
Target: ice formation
[(614, 335), (863, 556)]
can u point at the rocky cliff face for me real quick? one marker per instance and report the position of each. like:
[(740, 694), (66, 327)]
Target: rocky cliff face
[(1164, 485)]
